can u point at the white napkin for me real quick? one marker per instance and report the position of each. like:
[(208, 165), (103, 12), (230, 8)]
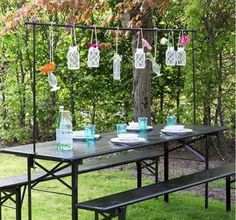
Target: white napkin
[(128, 136), (133, 124), (174, 127), (79, 133)]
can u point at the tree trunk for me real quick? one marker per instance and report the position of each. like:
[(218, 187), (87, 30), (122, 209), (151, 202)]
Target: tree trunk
[(142, 80)]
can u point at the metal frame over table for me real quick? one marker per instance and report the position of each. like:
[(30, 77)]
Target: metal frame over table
[(103, 146)]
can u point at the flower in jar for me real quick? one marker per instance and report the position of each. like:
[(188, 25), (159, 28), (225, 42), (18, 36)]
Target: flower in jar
[(48, 68)]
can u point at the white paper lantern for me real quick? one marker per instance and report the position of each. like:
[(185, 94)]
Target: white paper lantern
[(116, 66), (170, 56), (139, 59), (93, 57), (180, 57), (73, 58)]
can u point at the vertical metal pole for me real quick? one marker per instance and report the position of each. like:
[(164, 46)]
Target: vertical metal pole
[(166, 168), (29, 166), (139, 174), (18, 203), (228, 202), (74, 181), (33, 88), (0, 205), (206, 167), (194, 86)]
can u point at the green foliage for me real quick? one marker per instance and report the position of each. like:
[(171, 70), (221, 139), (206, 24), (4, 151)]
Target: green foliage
[(95, 97)]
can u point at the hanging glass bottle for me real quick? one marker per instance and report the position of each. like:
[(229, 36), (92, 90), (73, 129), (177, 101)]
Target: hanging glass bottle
[(139, 56), (170, 53), (73, 57), (52, 79), (116, 60), (180, 55), (156, 68), (93, 52)]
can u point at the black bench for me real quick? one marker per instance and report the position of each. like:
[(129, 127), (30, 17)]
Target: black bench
[(11, 186), (115, 205)]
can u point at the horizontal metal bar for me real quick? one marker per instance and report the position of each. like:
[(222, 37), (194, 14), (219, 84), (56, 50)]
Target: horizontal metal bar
[(52, 192), (189, 142), (107, 28), (182, 158), (195, 152), (7, 206)]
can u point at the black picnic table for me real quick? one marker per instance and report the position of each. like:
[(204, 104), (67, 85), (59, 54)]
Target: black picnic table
[(103, 146)]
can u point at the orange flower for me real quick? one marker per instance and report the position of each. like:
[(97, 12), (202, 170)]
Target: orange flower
[(48, 68)]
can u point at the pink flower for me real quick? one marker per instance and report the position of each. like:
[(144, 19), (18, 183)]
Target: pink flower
[(184, 39), (146, 44), (90, 44)]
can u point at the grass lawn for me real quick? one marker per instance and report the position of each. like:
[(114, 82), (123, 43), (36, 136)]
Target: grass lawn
[(182, 205)]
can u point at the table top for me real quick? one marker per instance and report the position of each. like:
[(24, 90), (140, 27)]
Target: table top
[(82, 150)]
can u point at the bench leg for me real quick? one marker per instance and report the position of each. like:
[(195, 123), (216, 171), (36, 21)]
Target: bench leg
[(206, 168), (122, 213), (18, 203), (96, 216), (228, 194), (139, 174), (166, 168), (206, 195)]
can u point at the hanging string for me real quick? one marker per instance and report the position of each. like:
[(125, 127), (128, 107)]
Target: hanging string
[(179, 39), (117, 39), (138, 40), (172, 35), (95, 34), (51, 42), (73, 35), (155, 44)]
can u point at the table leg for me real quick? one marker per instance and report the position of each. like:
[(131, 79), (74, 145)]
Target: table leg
[(228, 194), (156, 170), (206, 167), (166, 168), (139, 174), (74, 181), (29, 166), (18, 203)]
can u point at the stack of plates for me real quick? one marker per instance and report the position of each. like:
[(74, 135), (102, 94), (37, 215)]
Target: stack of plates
[(80, 135), (133, 126), (128, 138), (176, 130)]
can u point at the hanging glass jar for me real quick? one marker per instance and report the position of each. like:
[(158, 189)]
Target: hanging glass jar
[(180, 53), (170, 56), (73, 56), (180, 57), (93, 52), (170, 53), (139, 56)]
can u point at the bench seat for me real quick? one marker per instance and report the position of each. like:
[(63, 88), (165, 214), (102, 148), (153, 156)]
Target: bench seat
[(13, 184), (122, 199)]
